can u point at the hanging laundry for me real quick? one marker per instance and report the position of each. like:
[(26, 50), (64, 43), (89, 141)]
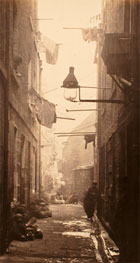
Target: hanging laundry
[(34, 102), (41, 109), (51, 49), (47, 114), (90, 34), (51, 58), (89, 138)]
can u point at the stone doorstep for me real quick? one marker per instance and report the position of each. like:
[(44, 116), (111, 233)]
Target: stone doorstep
[(110, 248)]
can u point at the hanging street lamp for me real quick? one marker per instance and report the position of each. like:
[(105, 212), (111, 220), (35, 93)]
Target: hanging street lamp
[(70, 85), (71, 88)]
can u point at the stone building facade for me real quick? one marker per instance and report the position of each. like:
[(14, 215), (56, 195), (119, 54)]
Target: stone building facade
[(76, 157), (19, 133), (83, 177), (118, 124)]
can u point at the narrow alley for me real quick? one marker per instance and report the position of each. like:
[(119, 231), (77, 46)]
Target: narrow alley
[(68, 237), (69, 131)]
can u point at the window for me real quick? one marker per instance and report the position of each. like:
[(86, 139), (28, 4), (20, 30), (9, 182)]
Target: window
[(127, 16)]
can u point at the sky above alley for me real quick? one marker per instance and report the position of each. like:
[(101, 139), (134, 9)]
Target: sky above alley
[(73, 51)]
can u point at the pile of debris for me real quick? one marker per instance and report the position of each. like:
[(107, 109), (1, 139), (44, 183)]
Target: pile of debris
[(73, 199), (57, 199), (23, 225), (39, 208)]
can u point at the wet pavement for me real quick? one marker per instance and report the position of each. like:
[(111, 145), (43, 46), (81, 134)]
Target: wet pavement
[(68, 237)]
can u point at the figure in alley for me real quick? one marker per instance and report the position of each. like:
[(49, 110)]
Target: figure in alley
[(90, 200)]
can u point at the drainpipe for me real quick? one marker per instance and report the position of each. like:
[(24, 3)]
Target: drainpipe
[(40, 84), (99, 43)]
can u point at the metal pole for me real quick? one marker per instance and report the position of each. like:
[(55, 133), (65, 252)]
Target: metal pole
[(104, 101), (71, 135), (73, 28), (83, 110), (85, 87), (75, 133), (42, 18), (99, 100), (65, 118), (40, 157)]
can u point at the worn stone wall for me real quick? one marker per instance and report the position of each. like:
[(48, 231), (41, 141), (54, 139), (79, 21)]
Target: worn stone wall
[(23, 127), (118, 132), (4, 69)]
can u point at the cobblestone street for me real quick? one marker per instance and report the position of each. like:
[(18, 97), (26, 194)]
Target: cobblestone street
[(68, 237)]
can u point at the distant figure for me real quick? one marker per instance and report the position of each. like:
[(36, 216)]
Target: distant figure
[(89, 201)]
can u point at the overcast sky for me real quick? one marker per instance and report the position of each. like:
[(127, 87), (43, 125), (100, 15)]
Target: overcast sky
[(74, 51)]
